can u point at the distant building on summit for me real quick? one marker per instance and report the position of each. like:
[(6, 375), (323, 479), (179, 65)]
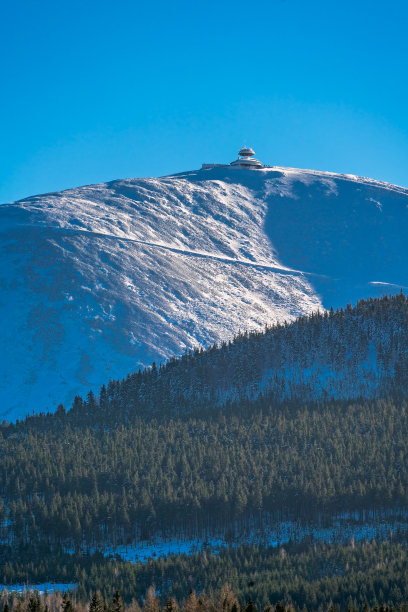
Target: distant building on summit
[(246, 160)]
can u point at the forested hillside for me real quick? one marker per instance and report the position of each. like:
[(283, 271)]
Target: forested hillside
[(317, 577), (359, 352), (79, 484), (165, 449), (218, 440)]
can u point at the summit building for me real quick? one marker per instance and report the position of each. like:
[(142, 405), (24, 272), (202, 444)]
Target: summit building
[(246, 160)]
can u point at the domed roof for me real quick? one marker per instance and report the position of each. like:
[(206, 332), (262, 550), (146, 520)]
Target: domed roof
[(246, 152)]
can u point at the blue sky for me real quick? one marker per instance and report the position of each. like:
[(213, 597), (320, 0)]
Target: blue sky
[(93, 91)]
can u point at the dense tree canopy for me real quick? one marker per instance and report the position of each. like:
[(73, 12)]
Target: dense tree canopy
[(306, 419), (80, 483), (348, 576)]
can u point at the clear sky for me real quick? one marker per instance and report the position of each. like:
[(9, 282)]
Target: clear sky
[(93, 91)]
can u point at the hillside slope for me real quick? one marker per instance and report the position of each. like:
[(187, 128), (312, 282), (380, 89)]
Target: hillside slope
[(101, 279), (167, 449), (350, 354)]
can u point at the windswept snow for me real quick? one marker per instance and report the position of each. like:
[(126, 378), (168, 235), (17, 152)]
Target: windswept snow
[(99, 280)]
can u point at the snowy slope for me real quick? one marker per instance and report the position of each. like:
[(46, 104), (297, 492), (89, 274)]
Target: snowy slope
[(98, 280)]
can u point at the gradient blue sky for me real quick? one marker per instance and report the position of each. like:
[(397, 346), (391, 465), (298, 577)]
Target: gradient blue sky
[(93, 91)]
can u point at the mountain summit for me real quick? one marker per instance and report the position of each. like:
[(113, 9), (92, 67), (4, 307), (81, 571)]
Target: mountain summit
[(99, 280)]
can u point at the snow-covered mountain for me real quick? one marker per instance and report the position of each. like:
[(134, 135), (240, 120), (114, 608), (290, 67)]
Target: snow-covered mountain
[(98, 280)]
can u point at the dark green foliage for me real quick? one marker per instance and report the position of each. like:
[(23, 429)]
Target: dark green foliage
[(81, 483), (250, 606), (206, 604), (125, 465), (96, 604), (67, 605), (166, 449), (171, 605), (313, 576), (34, 604), (117, 603)]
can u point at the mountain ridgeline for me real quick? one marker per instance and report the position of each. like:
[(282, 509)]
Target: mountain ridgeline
[(108, 278), (359, 352)]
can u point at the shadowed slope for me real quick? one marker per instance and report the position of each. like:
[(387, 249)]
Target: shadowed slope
[(99, 280)]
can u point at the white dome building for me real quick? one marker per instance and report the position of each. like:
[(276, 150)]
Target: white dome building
[(246, 159)]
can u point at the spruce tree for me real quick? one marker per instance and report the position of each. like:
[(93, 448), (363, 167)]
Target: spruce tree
[(67, 605), (34, 603), (171, 605), (117, 603), (151, 603), (250, 607), (191, 603), (96, 604)]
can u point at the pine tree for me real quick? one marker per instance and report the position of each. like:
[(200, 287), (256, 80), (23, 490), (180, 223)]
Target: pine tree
[(34, 603), (171, 605), (191, 603), (227, 600), (151, 603), (250, 607), (96, 604), (117, 603), (67, 605)]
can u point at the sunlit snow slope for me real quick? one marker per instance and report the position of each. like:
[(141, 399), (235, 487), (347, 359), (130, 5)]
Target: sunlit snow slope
[(98, 280)]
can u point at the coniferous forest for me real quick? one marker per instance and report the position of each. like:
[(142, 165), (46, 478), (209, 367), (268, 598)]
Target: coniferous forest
[(304, 422)]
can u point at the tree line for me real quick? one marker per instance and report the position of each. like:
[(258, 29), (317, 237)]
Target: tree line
[(352, 353), (313, 577), (198, 443), (83, 485)]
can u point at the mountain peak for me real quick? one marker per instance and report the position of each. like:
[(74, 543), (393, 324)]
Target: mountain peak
[(105, 278)]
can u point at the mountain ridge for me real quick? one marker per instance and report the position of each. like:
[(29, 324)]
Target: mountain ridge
[(106, 278), (356, 353)]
